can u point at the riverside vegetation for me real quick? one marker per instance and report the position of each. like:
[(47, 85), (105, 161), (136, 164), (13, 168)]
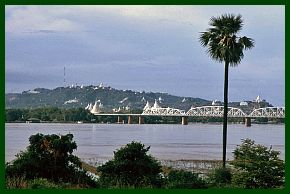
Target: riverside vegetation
[(48, 162)]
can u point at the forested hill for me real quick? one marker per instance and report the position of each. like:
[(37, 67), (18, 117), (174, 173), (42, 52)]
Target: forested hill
[(110, 98)]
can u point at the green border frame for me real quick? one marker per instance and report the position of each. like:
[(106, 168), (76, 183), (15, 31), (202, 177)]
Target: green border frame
[(134, 2)]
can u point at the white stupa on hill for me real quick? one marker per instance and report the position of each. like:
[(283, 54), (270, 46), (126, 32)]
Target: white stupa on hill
[(96, 108), (147, 106), (156, 105)]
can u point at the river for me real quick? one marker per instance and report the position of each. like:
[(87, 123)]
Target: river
[(195, 141)]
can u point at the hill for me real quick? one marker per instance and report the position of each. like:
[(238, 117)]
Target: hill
[(110, 98)]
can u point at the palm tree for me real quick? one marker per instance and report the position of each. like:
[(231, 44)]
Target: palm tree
[(223, 45)]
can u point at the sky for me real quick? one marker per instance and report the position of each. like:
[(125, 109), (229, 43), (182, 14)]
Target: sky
[(142, 48)]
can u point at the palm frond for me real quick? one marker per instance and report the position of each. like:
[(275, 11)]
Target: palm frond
[(221, 40), (248, 43)]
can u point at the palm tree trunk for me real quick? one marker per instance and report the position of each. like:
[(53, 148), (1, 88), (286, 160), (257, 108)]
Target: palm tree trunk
[(225, 120)]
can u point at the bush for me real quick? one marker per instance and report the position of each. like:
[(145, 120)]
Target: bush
[(131, 167), (180, 179), (15, 182), (220, 177), (257, 166), (42, 183), (49, 157)]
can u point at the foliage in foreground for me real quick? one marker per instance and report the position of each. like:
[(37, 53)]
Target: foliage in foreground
[(181, 179), (38, 183), (49, 157), (220, 177), (131, 167), (257, 166)]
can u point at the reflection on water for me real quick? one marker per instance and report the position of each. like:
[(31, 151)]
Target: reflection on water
[(167, 142)]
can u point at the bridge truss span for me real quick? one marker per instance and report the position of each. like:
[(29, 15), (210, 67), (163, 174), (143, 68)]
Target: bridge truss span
[(214, 111), (163, 112), (269, 112)]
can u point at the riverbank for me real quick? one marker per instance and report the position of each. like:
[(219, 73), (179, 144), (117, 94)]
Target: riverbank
[(196, 166)]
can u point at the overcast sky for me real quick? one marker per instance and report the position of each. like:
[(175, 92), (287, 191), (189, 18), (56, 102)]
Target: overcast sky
[(151, 48)]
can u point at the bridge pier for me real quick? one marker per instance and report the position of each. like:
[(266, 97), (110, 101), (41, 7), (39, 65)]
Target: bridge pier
[(248, 122), (120, 120), (130, 119), (141, 120), (184, 120)]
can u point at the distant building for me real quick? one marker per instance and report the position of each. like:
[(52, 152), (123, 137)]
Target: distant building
[(216, 103), (156, 105), (147, 106), (143, 99), (97, 108), (258, 99), (33, 120), (243, 103), (75, 100), (122, 101), (33, 92), (116, 110), (183, 100)]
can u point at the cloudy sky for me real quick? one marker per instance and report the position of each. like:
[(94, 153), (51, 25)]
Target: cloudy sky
[(151, 48)]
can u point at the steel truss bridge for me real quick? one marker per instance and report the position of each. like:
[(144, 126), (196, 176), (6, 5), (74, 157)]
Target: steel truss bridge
[(216, 111)]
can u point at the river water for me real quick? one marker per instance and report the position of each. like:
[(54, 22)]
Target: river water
[(195, 141)]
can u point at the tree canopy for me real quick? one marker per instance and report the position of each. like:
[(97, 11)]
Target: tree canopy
[(50, 157), (222, 41), (258, 166), (131, 167)]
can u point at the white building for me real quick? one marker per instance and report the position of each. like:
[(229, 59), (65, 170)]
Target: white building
[(183, 100), (147, 106), (156, 105), (243, 103), (216, 103), (258, 99), (96, 108), (143, 99)]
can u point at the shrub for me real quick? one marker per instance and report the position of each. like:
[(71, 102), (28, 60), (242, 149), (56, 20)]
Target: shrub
[(15, 182), (49, 157), (220, 177), (42, 183), (131, 167), (180, 179), (257, 166)]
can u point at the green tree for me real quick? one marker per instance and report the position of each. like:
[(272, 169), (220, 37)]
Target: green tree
[(258, 166), (13, 115), (225, 46), (131, 167), (50, 157)]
